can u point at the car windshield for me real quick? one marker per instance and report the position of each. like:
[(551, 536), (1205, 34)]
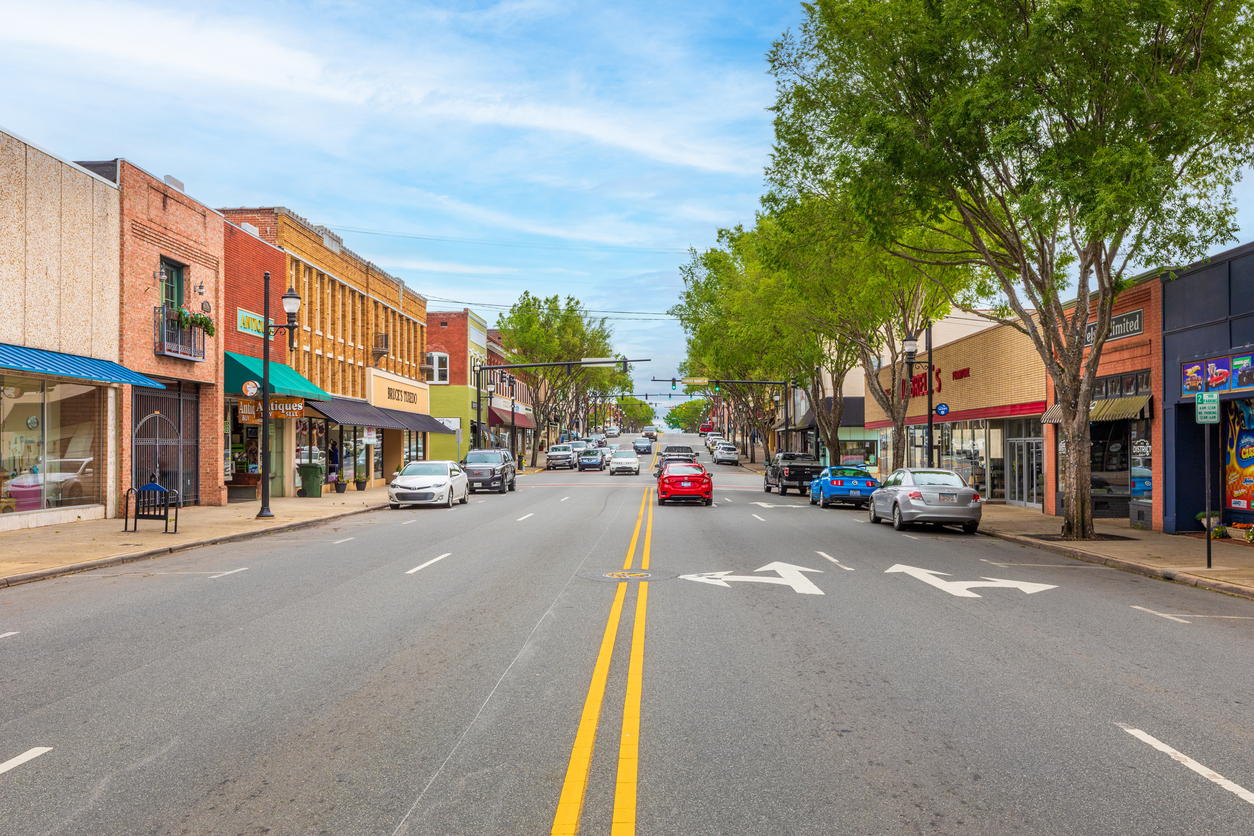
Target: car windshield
[(685, 470), (624, 454), (591, 454), (579, 445), (944, 478), (560, 448), (425, 469), (675, 448), (485, 457), (850, 473)]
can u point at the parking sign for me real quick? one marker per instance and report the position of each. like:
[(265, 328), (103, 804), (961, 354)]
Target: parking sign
[(1207, 407)]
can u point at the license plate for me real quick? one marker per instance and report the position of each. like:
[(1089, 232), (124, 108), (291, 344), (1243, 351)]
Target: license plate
[(855, 493), (685, 484), (949, 497)]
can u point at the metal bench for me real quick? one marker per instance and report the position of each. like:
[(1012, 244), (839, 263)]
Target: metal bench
[(152, 502)]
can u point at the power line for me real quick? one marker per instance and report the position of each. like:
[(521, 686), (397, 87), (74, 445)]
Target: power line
[(659, 315), (517, 244)]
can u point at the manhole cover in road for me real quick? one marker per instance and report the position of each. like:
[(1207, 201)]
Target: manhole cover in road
[(627, 576)]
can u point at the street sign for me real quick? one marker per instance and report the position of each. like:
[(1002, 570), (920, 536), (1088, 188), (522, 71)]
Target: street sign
[(942, 409), (1207, 408), (694, 381), (788, 575), (962, 589)]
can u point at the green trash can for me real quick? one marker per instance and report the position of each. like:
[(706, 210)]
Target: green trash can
[(312, 477)]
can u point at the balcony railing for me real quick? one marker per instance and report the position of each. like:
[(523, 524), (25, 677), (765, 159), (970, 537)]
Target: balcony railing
[(173, 340)]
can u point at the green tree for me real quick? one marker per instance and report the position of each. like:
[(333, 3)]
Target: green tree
[(1047, 143), (688, 416)]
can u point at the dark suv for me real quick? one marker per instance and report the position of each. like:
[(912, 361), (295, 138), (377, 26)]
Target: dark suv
[(490, 469)]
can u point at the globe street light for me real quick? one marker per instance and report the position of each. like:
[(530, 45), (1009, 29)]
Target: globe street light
[(291, 304)]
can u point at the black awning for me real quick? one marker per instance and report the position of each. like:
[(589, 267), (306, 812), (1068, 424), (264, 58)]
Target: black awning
[(416, 421), (355, 413)]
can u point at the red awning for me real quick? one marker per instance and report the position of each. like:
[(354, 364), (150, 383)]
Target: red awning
[(500, 417)]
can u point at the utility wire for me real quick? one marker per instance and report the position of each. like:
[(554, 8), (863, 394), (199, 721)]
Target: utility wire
[(518, 244)]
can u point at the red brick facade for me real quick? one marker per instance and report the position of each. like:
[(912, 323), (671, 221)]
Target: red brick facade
[(159, 221), (1132, 354), (246, 260), (447, 333)]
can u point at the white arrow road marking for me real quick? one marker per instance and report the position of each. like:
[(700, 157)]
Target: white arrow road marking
[(769, 505), (1207, 773), (759, 518), (834, 560), (6, 635), (789, 575), (224, 574), (28, 755), (962, 589), (428, 563)]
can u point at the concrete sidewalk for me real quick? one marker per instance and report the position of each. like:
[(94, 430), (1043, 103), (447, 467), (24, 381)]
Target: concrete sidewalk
[(32, 554)]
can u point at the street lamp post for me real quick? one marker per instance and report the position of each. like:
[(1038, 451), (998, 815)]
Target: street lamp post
[(291, 304), (512, 445), (930, 411)]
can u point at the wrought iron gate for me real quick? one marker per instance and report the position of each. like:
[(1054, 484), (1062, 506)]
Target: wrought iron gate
[(171, 448)]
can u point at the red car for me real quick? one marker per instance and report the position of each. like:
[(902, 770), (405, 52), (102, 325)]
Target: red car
[(684, 480)]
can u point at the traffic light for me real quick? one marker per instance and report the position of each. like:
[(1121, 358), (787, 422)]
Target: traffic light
[(716, 387), (673, 382)]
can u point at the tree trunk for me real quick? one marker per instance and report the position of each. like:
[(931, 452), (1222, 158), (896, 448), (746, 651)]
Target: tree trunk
[(1077, 480)]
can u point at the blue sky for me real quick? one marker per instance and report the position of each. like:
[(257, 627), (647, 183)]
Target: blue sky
[(577, 148)]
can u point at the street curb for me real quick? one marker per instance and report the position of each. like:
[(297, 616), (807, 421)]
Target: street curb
[(117, 559), (1185, 578)]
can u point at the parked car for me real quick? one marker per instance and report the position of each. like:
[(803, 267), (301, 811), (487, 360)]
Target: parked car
[(596, 440), (560, 455), (624, 461), (429, 483), (711, 440), (650, 433), (726, 453), (847, 485), (642, 446), (791, 470), (705, 428), (926, 495), (490, 469), (591, 459), (685, 480)]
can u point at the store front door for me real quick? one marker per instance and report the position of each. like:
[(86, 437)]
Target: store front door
[(1025, 483)]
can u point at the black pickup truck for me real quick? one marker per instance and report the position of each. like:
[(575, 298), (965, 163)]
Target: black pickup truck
[(791, 470)]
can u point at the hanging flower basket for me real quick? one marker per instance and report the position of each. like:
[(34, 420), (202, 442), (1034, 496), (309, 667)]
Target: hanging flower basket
[(195, 319)]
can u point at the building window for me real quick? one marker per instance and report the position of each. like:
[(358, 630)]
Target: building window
[(438, 361), (171, 284)]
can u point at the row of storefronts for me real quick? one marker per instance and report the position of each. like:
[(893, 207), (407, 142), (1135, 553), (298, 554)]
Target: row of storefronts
[(132, 320)]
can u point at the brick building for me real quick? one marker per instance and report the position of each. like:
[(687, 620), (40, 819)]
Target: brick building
[(511, 423), (457, 342), (171, 268), (362, 341)]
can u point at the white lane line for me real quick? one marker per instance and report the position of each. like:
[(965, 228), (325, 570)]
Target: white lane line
[(1160, 614), (725, 499), (834, 560), (759, 518), (407, 522), (28, 755), (484, 500), (563, 499), (520, 519), (1207, 773), (911, 536), (6, 635), (224, 574), (345, 540), (428, 563)]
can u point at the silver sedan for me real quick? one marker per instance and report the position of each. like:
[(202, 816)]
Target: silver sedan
[(926, 495)]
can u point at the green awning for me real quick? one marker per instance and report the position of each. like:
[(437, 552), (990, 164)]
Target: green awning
[(284, 380)]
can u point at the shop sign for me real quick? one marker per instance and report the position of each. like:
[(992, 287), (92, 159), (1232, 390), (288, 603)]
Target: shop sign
[(395, 392), (371, 436), (248, 322), (1239, 456), (1217, 374), (250, 411), (1130, 324)]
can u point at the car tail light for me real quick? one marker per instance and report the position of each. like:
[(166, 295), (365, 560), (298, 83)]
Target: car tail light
[(975, 498), (785, 471), (915, 495), (840, 483)]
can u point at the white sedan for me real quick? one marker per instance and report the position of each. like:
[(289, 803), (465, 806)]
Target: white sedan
[(624, 461), (429, 483)]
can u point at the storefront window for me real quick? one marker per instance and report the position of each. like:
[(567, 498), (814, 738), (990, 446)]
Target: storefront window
[(863, 453), (1109, 455), (378, 455), (51, 444), (996, 460), (1142, 461)]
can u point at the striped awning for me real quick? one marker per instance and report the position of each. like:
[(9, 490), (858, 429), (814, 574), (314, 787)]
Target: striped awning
[(19, 358), (1114, 409), (1053, 415), (355, 413), (417, 421)]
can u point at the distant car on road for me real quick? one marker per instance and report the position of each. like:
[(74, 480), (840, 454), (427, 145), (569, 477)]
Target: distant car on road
[(791, 470), (591, 459), (711, 440), (560, 455), (624, 461), (705, 429), (650, 433), (490, 469), (612, 432), (685, 480), (726, 453), (429, 483), (679, 450), (926, 495), (642, 446), (847, 485)]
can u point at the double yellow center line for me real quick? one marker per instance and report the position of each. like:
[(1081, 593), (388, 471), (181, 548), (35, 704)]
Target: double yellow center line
[(574, 789)]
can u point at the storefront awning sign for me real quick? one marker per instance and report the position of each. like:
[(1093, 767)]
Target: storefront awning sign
[(250, 411)]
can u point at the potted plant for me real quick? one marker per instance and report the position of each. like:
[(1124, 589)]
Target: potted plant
[(360, 482), (340, 484)]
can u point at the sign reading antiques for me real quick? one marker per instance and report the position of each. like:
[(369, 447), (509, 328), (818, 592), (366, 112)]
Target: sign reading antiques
[(250, 411), (251, 323), (1128, 324)]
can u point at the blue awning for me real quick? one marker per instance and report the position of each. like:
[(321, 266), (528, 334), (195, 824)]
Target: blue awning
[(37, 361)]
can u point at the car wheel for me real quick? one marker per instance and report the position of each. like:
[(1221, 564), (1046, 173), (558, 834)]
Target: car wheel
[(898, 523), (503, 487), (660, 501), (513, 484), (823, 501), (465, 497), (782, 489), (766, 487), (813, 501), (448, 503), (970, 527), (395, 506), (870, 510), (709, 501)]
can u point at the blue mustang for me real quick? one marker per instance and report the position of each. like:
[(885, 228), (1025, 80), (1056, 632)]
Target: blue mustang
[(851, 485)]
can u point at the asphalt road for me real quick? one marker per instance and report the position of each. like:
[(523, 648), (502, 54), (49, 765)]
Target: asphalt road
[(336, 680)]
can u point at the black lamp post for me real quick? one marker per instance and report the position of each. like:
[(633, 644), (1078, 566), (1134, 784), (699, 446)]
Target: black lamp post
[(911, 346), (512, 446), (291, 304)]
